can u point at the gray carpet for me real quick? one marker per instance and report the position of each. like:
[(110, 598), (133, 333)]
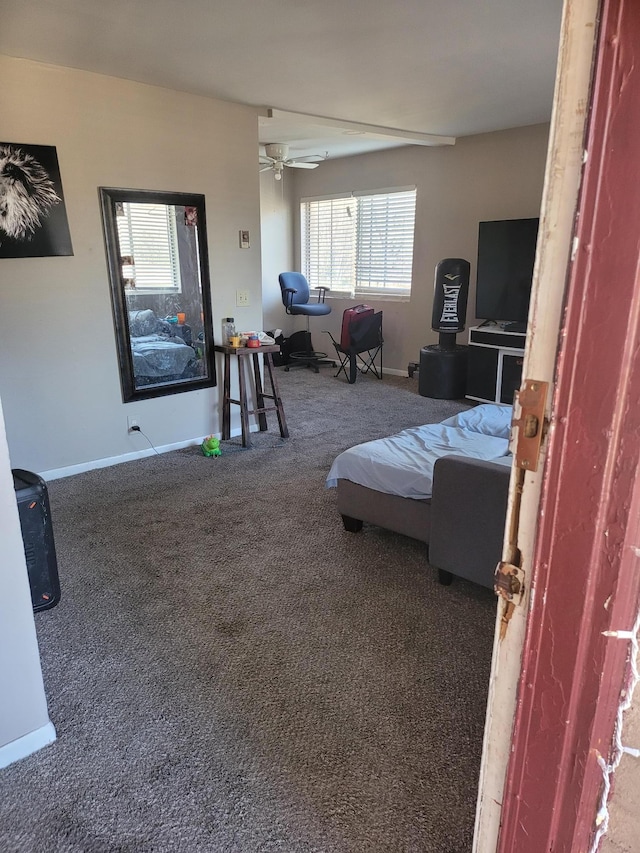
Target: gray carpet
[(229, 670)]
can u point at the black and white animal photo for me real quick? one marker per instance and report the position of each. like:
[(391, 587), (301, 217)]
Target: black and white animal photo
[(26, 193), (33, 221)]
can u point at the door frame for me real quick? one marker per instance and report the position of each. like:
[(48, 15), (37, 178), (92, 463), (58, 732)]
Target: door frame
[(583, 579), (557, 217)]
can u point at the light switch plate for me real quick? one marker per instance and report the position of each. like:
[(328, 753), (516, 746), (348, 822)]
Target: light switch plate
[(244, 239), (242, 298)]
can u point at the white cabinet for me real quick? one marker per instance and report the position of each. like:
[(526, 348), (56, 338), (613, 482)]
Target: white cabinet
[(495, 364)]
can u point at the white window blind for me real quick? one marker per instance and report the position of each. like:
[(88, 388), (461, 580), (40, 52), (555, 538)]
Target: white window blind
[(361, 244), (148, 247)]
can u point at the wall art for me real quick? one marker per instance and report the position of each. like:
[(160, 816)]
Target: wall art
[(33, 217)]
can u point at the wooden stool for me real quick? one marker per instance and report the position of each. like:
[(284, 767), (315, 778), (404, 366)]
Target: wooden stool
[(249, 356)]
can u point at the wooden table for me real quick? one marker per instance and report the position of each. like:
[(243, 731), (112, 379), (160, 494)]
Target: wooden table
[(248, 358)]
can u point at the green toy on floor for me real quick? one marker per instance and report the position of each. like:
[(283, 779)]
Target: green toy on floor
[(211, 446)]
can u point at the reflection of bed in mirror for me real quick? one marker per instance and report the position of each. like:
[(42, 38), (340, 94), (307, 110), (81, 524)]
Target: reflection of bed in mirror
[(159, 354)]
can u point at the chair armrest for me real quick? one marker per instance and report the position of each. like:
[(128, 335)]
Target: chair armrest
[(468, 513), (322, 293), (288, 295)]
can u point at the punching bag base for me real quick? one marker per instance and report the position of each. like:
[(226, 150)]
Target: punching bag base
[(443, 372)]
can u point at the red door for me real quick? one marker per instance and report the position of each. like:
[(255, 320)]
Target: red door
[(586, 579)]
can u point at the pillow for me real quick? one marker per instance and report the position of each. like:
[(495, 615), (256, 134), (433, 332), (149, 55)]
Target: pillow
[(142, 323), (487, 419), (164, 327)]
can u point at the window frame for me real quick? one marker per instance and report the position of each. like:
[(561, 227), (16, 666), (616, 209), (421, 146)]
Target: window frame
[(376, 260)]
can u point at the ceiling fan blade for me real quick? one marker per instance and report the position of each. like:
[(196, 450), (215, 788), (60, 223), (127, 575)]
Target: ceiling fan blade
[(310, 158), (296, 164), (266, 161), (266, 169)]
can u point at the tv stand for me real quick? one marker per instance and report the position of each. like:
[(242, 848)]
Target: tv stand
[(515, 327), (495, 364)]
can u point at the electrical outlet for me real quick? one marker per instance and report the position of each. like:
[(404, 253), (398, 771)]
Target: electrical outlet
[(242, 298), (131, 423)]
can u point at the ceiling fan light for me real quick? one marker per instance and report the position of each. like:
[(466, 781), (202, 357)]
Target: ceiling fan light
[(276, 157), (277, 150)]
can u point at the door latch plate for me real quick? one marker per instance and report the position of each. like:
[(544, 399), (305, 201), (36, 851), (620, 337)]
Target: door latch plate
[(530, 402)]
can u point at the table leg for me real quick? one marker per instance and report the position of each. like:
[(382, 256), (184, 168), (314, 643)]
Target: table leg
[(226, 399), (262, 418), (268, 360), (244, 417)]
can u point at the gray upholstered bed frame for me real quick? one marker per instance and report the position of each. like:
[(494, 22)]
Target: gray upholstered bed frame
[(462, 522)]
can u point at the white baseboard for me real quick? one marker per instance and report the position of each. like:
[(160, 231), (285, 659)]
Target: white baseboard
[(91, 465), (25, 745)]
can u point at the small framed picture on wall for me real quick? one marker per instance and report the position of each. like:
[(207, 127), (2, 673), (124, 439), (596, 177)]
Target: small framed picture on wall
[(33, 217)]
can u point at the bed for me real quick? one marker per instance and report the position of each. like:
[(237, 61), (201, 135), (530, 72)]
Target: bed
[(159, 355), (444, 484)]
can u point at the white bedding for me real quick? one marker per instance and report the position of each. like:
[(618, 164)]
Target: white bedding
[(402, 464)]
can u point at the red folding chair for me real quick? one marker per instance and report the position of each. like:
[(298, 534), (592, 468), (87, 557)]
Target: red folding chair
[(360, 343)]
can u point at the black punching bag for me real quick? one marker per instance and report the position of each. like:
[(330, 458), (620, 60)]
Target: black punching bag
[(450, 293), (443, 367)]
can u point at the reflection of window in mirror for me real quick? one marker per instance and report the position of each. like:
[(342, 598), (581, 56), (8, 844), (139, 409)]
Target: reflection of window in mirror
[(149, 247), (156, 248)]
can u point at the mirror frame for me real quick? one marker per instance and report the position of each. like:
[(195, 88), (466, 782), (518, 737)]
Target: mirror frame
[(109, 196)]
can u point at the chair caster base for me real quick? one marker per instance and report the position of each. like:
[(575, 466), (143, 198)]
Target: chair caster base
[(312, 359)]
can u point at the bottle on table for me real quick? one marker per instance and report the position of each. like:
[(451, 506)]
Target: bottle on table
[(228, 330)]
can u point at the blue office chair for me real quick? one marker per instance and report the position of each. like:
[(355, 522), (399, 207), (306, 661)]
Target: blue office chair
[(295, 298)]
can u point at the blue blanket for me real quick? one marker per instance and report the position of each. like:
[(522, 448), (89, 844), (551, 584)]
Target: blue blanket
[(402, 464)]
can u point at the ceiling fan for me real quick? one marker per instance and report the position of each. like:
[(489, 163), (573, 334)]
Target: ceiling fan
[(277, 157)]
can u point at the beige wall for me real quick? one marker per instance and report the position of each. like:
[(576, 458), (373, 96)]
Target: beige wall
[(23, 708), (491, 176), (277, 214), (59, 380)]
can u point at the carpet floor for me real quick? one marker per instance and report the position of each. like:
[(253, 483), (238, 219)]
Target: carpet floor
[(229, 670)]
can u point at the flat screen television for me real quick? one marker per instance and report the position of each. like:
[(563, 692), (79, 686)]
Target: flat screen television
[(506, 253)]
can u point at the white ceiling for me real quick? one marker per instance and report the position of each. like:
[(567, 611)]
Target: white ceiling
[(439, 67)]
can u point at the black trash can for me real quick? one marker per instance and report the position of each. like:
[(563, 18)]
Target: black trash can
[(37, 535), (443, 372)]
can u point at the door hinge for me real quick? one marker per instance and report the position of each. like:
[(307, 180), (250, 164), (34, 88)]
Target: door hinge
[(530, 402)]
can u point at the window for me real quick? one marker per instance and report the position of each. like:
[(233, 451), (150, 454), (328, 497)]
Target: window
[(148, 242), (360, 244)]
